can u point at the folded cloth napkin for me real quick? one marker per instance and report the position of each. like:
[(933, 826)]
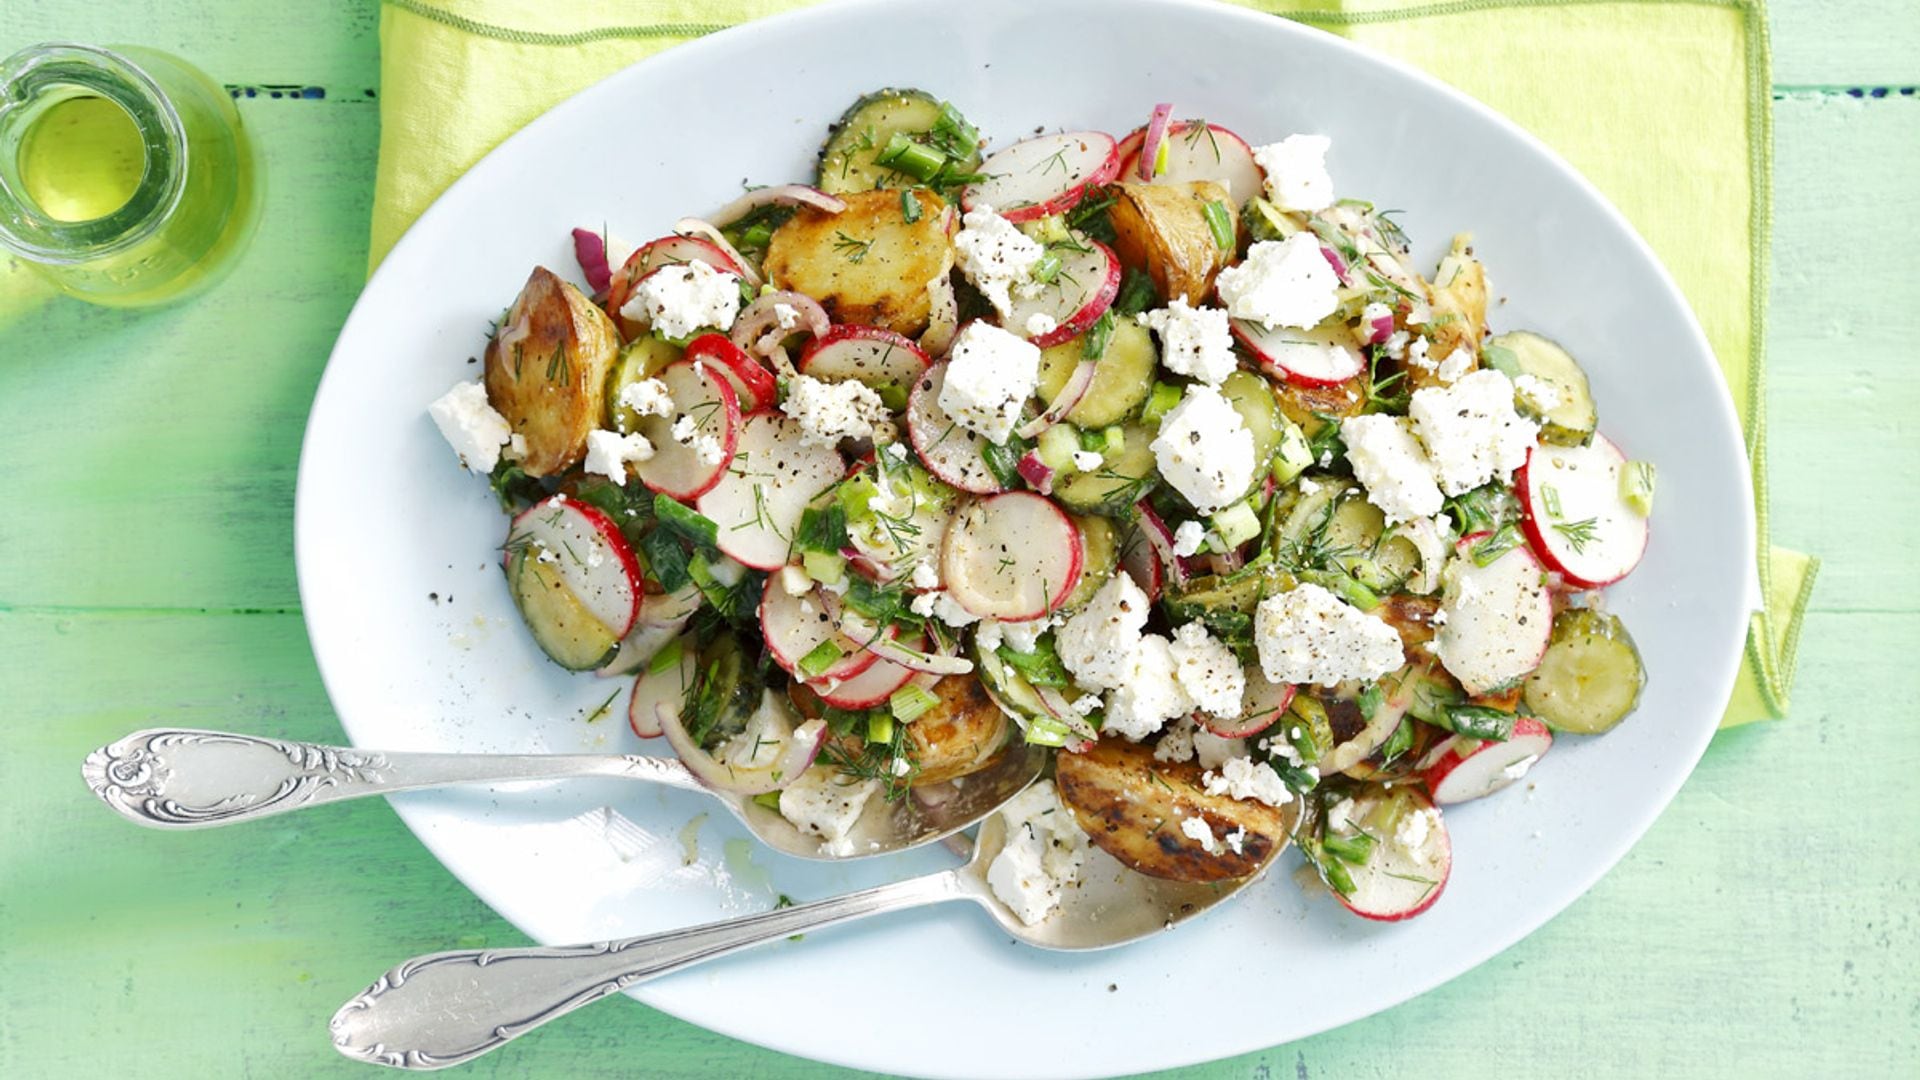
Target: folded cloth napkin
[(1633, 92)]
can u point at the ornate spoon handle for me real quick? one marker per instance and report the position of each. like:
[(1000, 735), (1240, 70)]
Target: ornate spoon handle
[(180, 778), (442, 1009)]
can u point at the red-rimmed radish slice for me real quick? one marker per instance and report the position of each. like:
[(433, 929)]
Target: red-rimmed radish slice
[(883, 641), (796, 625), (1571, 508), (1141, 562), (1408, 868), (592, 557), (704, 230), (1088, 281), (871, 687), (688, 470), (949, 451), (1036, 472), (1499, 617), (1044, 175), (1012, 557), (774, 475), (1471, 769), (752, 384), (1128, 149), (667, 686), (1153, 135), (651, 256), (1159, 540), (867, 354), (1302, 357), (662, 617), (1260, 705), (768, 755), (590, 251), (1214, 154)]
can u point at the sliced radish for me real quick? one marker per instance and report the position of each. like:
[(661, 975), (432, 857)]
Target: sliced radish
[(1260, 705), (1140, 560), (1574, 516), (1302, 357), (1472, 768), (770, 754), (871, 687), (796, 625), (883, 641), (1044, 175), (1408, 868), (593, 558), (759, 499), (752, 384), (1088, 281), (688, 470), (868, 354), (1212, 153), (950, 452), (705, 230), (651, 256), (1159, 539), (662, 617), (1498, 617), (668, 686), (1012, 557)]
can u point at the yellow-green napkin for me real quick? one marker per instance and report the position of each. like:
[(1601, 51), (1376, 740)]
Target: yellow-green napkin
[(1633, 92)]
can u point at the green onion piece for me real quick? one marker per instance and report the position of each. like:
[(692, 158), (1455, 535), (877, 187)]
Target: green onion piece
[(1489, 550), (904, 155), (909, 206), (1344, 587), (1046, 731), (685, 520), (1003, 462), (756, 236), (1094, 441), (1399, 742), (1160, 402), (770, 800), (1041, 667), (910, 701), (1303, 739), (1370, 700), (1551, 496), (822, 529), (1220, 221), (1336, 876), (1114, 439), (892, 395), (1636, 486), (824, 567), (1046, 268), (820, 658), (856, 494), (880, 727), (1480, 722), (1355, 849), (667, 657)]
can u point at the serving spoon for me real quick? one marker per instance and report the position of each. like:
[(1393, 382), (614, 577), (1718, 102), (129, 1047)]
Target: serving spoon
[(181, 778), (446, 1008)]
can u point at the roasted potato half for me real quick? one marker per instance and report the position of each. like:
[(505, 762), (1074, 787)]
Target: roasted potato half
[(1132, 806), (1162, 229), (1307, 405), (958, 736), (546, 370), (867, 264)]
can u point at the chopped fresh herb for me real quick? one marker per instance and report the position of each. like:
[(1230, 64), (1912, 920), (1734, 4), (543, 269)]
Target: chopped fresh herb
[(667, 558), (854, 249), (1578, 533), (822, 529), (1489, 549), (1137, 293), (1046, 269), (1094, 345), (909, 206), (1041, 667), (1399, 742), (902, 154), (683, 519), (910, 702), (667, 657)]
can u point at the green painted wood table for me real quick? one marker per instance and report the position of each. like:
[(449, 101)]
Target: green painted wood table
[(1766, 926)]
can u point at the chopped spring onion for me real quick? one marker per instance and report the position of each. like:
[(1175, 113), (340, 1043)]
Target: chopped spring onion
[(911, 701), (1335, 875), (1046, 268), (1220, 222), (820, 658), (1355, 849), (1046, 731), (879, 727), (768, 799), (1237, 524), (909, 206), (822, 529), (1480, 722), (1636, 486), (665, 658), (1160, 402), (904, 155), (1344, 587), (1293, 456), (1488, 551), (824, 567)]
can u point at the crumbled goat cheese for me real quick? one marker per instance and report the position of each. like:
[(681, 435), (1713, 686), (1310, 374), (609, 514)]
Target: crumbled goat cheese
[(925, 576), (516, 447), (1040, 323), (1085, 704), (1024, 637), (989, 635), (1087, 460), (1340, 816), (1098, 642), (680, 299), (1455, 365), (1195, 829), (1537, 393), (942, 606), (1392, 465), (825, 803), (471, 425), (1194, 341), (786, 316), (1150, 694), (897, 451), (1396, 344), (1236, 841), (1309, 635), (686, 431), (1281, 283), (830, 411), (795, 581), (609, 454), (989, 377), (1471, 432), (647, 397), (1244, 778), (1042, 856), (1208, 671), (1415, 827), (996, 256), (1204, 450), (1417, 355), (1176, 742), (1296, 169), (1188, 538)]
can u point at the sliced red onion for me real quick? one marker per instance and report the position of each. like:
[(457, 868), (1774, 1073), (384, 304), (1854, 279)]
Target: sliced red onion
[(590, 251), (944, 322), (884, 642), (803, 745), (688, 226), (1339, 265), (514, 333), (1078, 382), (759, 332), (1156, 134), (782, 195), (1057, 706), (1038, 474), (1160, 538), (1382, 329)]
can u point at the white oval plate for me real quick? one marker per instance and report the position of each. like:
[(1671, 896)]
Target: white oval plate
[(386, 517)]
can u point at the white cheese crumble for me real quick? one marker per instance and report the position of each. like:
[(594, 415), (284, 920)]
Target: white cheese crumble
[(1536, 393), (1296, 169), (989, 377), (1471, 431), (995, 256), (1150, 694), (1309, 635), (786, 316), (1417, 354), (1204, 449), (1087, 460), (1194, 341), (609, 454), (795, 581), (830, 411), (1391, 464), (1281, 283), (647, 397), (680, 299), (1411, 835), (1042, 856), (1024, 637), (1188, 538), (1245, 778), (1195, 829), (686, 431), (1208, 671), (1097, 643), (1340, 817), (1213, 751), (925, 576), (1176, 742), (1455, 365), (825, 803), (1040, 323), (1236, 841), (940, 605), (471, 425)]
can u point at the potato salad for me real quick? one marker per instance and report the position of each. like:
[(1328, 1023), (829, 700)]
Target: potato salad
[(1155, 450)]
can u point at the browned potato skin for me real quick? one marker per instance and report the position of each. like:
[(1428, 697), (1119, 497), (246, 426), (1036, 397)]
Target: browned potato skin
[(1304, 405), (1132, 806), (1459, 299), (1412, 618), (887, 285), (1162, 229), (554, 414), (960, 735)]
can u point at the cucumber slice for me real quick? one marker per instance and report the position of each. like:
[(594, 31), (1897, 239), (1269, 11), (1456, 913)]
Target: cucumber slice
[(1572, 420), (1214, 594), (862, 132), (1253, 400), (1358, 530), (642, 359), (1121, 380), (561, 624), (1121, 479), (1591, 675), (1100, 553)]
